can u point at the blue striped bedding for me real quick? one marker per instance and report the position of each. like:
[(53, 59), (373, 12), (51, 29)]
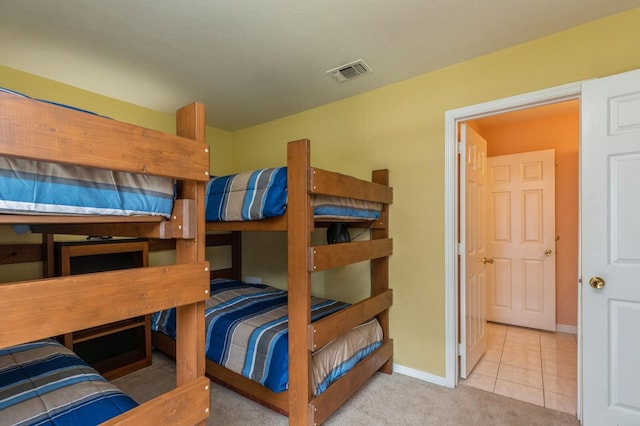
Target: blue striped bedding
[(37, 187), (262, 193), (44, 383), (246, 332)]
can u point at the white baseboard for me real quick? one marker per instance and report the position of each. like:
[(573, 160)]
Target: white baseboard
[(421, 375), (563, 328)]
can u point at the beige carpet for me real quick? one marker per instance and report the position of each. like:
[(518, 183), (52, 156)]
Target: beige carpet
[(385, 400)]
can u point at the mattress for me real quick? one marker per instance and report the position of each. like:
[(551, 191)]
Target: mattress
[(246, 332), (262, 194), (44, 383), (36, 187)]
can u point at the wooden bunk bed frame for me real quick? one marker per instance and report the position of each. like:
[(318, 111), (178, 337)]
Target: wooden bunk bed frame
[(40, 131), (305, 337)]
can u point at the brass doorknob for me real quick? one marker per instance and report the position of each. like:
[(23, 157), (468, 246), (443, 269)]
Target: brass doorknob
[(548, 252), (596, 282), (485, 260)]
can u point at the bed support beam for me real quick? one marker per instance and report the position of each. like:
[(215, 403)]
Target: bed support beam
[(300, 224), (380, 268), (181, 225), (324, 330)]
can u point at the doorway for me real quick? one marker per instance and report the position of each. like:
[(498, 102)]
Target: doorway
[(521, 360), (610, 123), (453, 249), (525, 138)]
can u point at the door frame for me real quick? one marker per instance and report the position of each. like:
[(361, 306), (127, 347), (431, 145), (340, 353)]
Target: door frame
[(451, 216)]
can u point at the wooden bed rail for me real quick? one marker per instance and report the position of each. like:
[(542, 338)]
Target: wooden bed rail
[(185, 405), (322, 406), (339, 185), (325, 257), (79, 138), (55, 306), (325, 330), (180, 225)]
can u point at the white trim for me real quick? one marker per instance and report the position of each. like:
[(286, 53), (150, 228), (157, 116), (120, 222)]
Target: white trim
[(421, 375), (451, 238), (563, 328)]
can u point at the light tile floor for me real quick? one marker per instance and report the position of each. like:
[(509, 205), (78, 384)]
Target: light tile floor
[(530, 365)]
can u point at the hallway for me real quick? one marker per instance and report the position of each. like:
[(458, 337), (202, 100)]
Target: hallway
[(530, 365)]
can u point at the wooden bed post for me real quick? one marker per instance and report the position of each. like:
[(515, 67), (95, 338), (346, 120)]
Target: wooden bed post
[(299, 280), (380, 266), (190, 347)]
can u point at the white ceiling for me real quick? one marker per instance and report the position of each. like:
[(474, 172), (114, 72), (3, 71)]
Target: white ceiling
[(252, 61)]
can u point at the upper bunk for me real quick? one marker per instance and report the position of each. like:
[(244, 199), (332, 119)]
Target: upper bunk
[(38, 131), (332, 197), (63, 140)]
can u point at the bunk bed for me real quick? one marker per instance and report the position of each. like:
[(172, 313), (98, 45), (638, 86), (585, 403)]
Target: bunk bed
[(301, 401), (40, 132)]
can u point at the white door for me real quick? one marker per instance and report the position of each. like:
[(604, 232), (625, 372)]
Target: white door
[(521, 282), (610, 238), (473, 173)]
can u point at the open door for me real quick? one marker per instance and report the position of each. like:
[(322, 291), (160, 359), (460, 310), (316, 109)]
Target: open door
[(473, 173), (610, 291)]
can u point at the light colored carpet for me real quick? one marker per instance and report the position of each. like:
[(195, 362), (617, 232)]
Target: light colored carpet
[(385, 400)]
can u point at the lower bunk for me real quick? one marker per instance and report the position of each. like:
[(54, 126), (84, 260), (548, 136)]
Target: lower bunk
[(44, 383), (247, 346)]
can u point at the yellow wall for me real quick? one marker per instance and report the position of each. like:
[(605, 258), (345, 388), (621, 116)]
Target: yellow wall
[(399, 127)]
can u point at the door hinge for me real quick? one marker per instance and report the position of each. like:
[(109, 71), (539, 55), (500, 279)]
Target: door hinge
[(460, 349), (459, 249), (460, 147)]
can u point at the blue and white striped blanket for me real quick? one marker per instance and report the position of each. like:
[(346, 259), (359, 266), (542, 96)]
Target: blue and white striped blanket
[(37, 187), (262, 193), (44, 383), (246, 332)]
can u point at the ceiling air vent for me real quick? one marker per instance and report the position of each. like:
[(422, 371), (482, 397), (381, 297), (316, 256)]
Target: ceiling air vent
[(350, 71)]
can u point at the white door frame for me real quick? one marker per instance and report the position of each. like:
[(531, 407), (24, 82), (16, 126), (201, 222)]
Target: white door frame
[(451, 207)]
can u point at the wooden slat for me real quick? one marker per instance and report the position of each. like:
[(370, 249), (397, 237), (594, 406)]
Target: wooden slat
[(88, 219), (334, 255), (141, 230), (321, 407), (326, 329), (181, 225), (271, 224), (186, 405), (41, 131), (76, 302), (20, 253), (339, 185)]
